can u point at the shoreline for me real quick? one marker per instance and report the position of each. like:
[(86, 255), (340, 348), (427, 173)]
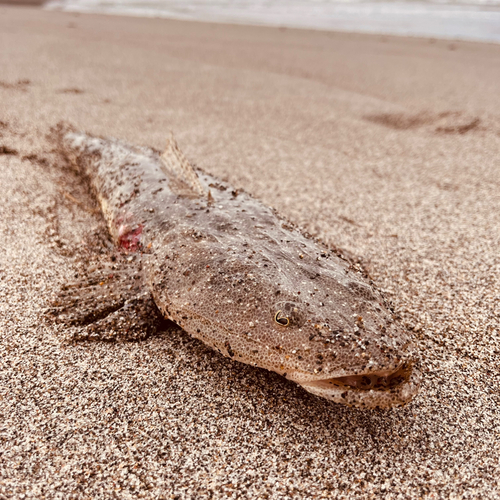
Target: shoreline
[(468, 21), (43, 4)]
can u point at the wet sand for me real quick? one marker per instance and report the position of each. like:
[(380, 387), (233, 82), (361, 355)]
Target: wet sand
[(386, 147)]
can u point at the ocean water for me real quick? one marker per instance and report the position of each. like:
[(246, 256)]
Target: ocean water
[(477, 20)]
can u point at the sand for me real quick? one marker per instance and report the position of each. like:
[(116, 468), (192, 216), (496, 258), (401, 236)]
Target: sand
[(386, 147)]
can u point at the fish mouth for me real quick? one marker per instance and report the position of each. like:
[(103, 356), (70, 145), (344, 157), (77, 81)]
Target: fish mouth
[(381, 389), (379, 381)]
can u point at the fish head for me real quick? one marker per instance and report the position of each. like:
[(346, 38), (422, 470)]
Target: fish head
[(334, 335), (353, 352), (317, 322)]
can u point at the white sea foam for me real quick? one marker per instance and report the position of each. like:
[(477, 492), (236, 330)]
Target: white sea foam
[(460, 19)]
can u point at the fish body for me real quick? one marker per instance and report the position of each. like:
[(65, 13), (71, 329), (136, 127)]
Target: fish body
[(234, 274)]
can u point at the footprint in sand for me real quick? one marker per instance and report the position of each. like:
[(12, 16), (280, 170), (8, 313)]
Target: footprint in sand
[(19, 85), (448, 122)]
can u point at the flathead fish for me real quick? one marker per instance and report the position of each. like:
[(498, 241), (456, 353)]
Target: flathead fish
[(233, 273)]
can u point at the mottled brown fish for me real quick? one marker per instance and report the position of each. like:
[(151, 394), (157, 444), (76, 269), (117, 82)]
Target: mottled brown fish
[(234, 274)]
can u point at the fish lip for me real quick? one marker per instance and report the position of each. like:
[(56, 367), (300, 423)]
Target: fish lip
[(309, 378), (373, 397)]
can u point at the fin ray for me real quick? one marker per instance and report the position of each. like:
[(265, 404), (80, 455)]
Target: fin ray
[(177, 164)]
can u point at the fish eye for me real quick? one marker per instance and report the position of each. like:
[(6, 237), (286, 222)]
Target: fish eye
[(290, 314), (281, 320)]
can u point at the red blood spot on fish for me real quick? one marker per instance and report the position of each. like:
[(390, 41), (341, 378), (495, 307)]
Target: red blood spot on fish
[(130, 239)]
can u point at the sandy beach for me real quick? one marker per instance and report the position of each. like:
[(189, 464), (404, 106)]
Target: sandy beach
[(386, 147)]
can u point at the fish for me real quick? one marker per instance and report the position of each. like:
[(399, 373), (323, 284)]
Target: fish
[(233, 273)]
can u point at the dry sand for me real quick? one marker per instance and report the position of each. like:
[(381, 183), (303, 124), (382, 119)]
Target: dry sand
[(386, 147)]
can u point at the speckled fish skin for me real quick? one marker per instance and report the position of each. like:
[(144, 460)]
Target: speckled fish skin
[(234, 274)]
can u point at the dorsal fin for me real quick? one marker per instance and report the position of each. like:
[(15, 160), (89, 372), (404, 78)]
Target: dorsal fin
[(177, 164)]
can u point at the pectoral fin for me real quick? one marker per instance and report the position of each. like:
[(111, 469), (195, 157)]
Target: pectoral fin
[(107, 303)]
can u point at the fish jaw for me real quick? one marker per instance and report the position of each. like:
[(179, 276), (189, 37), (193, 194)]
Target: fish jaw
[(395, 389)]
